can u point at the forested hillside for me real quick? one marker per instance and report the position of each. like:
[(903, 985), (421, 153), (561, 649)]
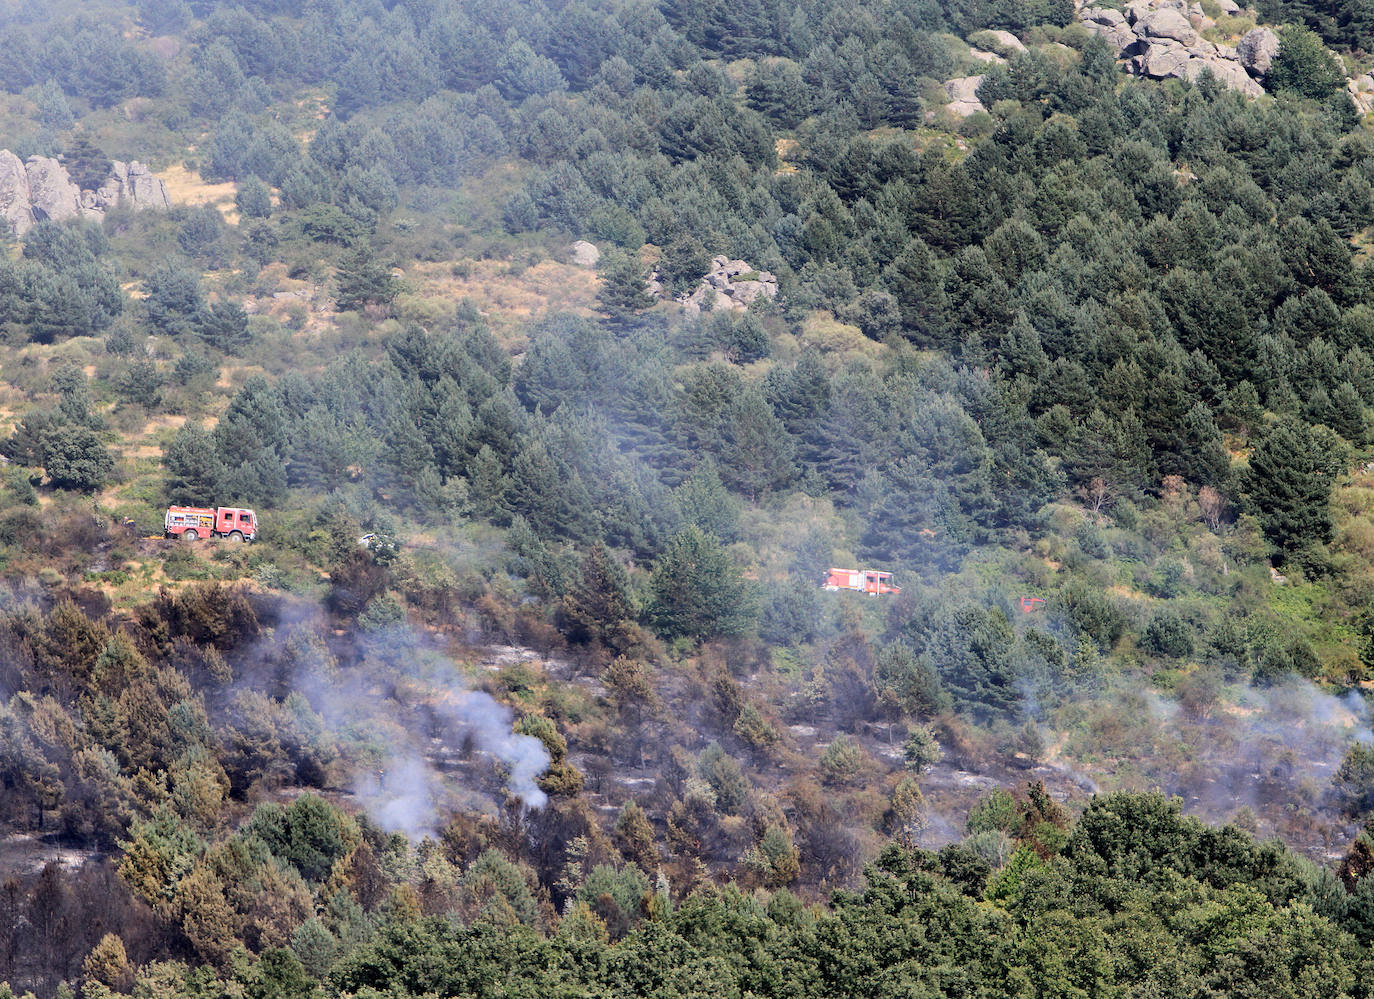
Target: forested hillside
[(562, 349)]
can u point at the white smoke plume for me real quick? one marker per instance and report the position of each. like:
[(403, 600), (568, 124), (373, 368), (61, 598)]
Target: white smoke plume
[(406, 710), (488, 721), (1272, 749)]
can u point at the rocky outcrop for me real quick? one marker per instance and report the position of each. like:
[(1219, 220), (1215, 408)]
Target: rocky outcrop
[(131, 184), (1228, 71), (584, 254), (1162, 60), (1004, 43), (1007, 40), (1161, 39), (42, 189), (15, 208), (963, 95), (730, 284), (52, 195), (1169, 24), (1257, 49), (1361, 90), (988, 57), (1111, 25)]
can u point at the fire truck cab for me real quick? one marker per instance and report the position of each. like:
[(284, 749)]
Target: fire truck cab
[(193, 523), (869, 581)]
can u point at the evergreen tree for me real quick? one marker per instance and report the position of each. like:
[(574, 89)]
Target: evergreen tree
[(755, 452), (253, 199), (224, 326), (695, 592), (1303, 66), (175, 300), (86, 164), (364, 280), (75, 458), (622, 294), (1288, 485), (598, 608)]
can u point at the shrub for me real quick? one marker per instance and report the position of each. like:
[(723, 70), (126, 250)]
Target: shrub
[(1167, 634), (842, 760)]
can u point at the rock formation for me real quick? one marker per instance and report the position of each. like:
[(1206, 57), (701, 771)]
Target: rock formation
[(42, 189), (14, 193), (584, 254), (1161, 39), (132, 184), (1003, 41), (730, 284), (990, 57), (1256, 50), (963, 95), (1361, 90), (52, 195)]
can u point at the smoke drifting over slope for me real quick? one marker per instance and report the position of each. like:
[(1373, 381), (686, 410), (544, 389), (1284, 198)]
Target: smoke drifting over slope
[(1267, 747), (408, 710)]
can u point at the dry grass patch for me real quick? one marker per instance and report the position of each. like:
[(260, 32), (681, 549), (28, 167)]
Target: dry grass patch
[(188, 187), (148, 443), (509, 295), (830, 336)]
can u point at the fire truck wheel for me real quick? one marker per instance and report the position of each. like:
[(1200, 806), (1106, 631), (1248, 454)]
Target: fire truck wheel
[(191, 535), (236, 537)]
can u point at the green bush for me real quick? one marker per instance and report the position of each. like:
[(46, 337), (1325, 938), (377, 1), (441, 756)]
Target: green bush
[(1303, 66), (1167, 634)]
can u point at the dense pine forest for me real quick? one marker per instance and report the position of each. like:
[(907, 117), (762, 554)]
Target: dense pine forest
[(562, 348)]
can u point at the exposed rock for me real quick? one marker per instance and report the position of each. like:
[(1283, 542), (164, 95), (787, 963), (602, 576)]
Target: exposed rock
[(132, 184), (1103, 15), (1119, 37), (584, 254), (730, 284), (42, 189), (1361, 90), (1167, 23), (1005, 39), (1140, 9), (52, 195), (1228, 72), (14, 193), (1257, 49), (1162, 60), (988, 57), (963, 95), (146, 190), (1159, 39)]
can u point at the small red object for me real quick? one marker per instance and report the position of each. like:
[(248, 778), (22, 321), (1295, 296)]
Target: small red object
[(869, 581)]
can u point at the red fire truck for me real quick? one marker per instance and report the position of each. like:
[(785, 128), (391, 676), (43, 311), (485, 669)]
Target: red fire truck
[(869, 581), (195, 522)]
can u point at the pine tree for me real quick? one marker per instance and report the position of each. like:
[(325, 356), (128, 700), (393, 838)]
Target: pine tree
[(1288, 485), (598, 608), (86, 164), (756, 453), (224, 326), (74, 458), (696, 592), (622, 294), (1202, 458), (364, 280)]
